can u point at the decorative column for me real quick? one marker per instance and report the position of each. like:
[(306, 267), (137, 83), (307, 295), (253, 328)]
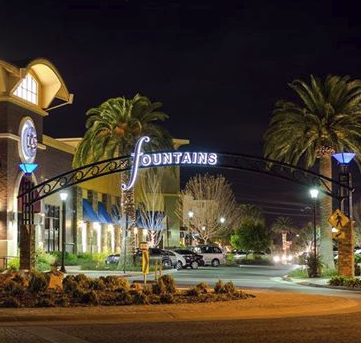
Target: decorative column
[(77, 218)]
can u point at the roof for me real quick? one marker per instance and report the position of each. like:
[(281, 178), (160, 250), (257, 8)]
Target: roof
[(52, 83)]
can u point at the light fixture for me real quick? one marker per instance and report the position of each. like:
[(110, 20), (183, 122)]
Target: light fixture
[(314, 193), (222, 220), (63, 196), (190, 214), (344, 157), (28, 168)]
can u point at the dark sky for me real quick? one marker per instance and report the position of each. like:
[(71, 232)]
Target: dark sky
[(218, 66)]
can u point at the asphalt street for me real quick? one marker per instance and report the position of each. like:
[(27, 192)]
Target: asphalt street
[(322, 328)]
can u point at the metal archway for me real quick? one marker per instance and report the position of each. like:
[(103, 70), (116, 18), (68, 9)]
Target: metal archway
[(225, 160)]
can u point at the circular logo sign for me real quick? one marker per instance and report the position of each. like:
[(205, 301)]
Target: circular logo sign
[(28, 141)]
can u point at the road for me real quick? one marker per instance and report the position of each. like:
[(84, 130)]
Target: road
[(330, 328)]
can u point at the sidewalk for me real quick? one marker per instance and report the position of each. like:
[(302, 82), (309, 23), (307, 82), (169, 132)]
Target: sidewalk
[(266, 304)]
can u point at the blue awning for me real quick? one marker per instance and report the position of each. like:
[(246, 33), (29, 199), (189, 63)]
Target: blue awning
[(89, 214), (115, 214), (103, 214)]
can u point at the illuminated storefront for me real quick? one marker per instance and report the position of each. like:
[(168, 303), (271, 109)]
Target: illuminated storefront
[(28, 94)]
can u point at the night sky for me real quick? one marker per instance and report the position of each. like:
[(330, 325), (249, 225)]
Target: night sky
[(217, 66)]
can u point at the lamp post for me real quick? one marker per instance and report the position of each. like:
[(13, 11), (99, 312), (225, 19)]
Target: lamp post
[(314, 195), (63, 197), (190, 216)]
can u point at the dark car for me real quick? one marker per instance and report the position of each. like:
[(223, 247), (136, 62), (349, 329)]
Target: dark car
[(193, 259), (113, 258)]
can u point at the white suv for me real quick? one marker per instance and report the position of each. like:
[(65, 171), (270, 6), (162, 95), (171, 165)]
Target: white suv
[(212, 255)]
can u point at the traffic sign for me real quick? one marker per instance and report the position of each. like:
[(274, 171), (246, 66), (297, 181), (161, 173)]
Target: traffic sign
[(143, 245), (338, 219), (338, 234)]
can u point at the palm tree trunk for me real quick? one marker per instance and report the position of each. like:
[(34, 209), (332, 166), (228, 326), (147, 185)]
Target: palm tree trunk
[(128, 212), (326, 248)]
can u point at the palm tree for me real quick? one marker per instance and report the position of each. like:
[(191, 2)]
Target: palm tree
[(283, 226), (112, 130), (327, 120)]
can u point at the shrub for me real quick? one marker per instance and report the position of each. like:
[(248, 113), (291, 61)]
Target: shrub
[(140, 298), (14, 263), (345, 281), (203, 287), (115, 282), (299, 273), (63, 301), (45, 302), (328, 272), (229, 288), (218, 287), (38, 283), (147, 290), (14, 288), (193, 291), (22, 279), (169, 283), (82, 280), (135, 286), (90, 298), (124, 298), (69, 284), (97, 285), (43, 260), (11, 302), (159, 287), (166, 298)]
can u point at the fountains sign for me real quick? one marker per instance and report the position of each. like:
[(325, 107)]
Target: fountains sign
[(164, 159)]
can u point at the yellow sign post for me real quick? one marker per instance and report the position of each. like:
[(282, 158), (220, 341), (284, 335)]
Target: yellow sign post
[(145, 260)]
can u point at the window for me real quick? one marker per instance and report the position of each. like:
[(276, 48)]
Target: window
[(28, 89), (52, 237)]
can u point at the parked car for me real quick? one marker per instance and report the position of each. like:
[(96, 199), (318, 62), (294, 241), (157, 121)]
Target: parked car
[(212, 254), (192, 259), (113, 258), (177, 260), (240, 254), (169, 258)]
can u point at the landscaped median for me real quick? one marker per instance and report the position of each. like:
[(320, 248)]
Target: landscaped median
[(52, 290)]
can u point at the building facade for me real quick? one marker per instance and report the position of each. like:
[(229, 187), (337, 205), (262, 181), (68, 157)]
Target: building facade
[(29, 90)]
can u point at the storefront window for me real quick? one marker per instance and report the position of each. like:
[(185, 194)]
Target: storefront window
[(52, 220)]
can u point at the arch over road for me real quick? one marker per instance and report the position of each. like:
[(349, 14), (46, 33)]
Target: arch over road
[(223, 160)]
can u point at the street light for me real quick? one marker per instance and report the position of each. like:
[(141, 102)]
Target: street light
[(63, 197), (222, 220), (190, 214), (314, 195)]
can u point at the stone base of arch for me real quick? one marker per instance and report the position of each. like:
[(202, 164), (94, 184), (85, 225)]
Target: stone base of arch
[(27, 247)]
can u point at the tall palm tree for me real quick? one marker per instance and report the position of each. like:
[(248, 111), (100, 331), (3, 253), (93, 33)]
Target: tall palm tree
[(283, 226), (327, 120), (112, 130)]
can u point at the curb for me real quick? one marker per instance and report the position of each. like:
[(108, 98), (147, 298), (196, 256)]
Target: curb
[(310, 284)]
